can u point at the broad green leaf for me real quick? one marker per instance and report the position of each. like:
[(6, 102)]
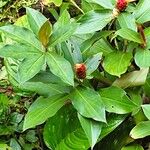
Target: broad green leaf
[(45, 32), (18, 51), (93, 21), (133, 147), (60, 67), (93, 63), (116, 100), (30, 67), (106, 4), (22, 35), (101, 45), (62, 34), (141, 12), (35, 19), (14, 144), (45, 89), (141, 130), (142, 58), (42, 109), (72, 51), (146, 86), (146, 110), (132, 79), (129, 34), (91, 128), (127, 20), (56, 2), (4, 147), (116, 63), (88, 103)]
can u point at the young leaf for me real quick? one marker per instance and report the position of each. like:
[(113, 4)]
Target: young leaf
[(30, 67), (93, 63), (62, 34), (91, 128), (56, 2), (60, 67), (116, 63), (45, 32), (142, 58), (42, 109), (146, 110), (116, 100), (35, 19), (131, 79), (127, 20), (141, 130), (88, 103), (18, 51), (93, 21), (133, 147), (129, 35), (22, 35)]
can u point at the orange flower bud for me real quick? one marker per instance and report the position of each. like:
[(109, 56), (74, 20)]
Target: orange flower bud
[(80, 70)]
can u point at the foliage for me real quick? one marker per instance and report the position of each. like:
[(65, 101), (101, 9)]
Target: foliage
[(84, 78)]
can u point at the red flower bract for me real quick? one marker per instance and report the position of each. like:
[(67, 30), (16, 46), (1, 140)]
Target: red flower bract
[(80, 70), (121, 5)]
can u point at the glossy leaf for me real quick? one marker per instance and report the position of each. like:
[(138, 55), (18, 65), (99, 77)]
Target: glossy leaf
[(127, 20), (88, 103), (141, 130), (30, 67), (116, 100), (131, 79), (91, 128), (62, 34), (93, 21), (133, 147), (18, 51), (22, 35), (116, 63), (42, 109), (142, 58), (45, 32), (45, 89), (93, 63), (146, 110), (35, 19), (60, 67), (129, 34)]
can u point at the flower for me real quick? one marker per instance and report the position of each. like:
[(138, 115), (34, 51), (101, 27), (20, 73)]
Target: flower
[(80, 70), (121, 5)]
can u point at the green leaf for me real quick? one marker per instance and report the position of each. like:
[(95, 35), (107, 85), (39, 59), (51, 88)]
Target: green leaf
[(22, 35), (45, 89), (141, 130), (127, 20), (106, 4), (14, 144), (45, 32), (133, 147), (146, 110), (42, 109), (116, 100), (62, 34), (141, 12), (60, 67), (91, 128), (129, 35), (116, 63), (93, 21), (132, 79), (56, 2), (93, 63), (30, 67), (35, 19), (142, 58), (18, 51), (88, 103)]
